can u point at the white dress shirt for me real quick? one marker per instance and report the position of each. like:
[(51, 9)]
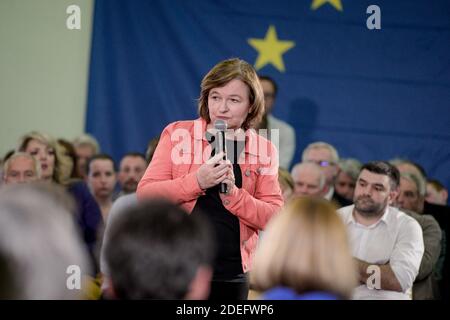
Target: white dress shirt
[(395, 239)]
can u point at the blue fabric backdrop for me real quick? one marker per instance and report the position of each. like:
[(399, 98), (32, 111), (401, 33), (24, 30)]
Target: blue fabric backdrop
[(374, 94)]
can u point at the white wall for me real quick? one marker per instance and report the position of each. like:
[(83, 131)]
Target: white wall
[(43, 69)]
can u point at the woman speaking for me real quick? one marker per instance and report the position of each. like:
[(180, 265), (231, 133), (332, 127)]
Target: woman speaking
[(236, 189)]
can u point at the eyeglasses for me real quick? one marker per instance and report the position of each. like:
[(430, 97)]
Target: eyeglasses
[(323, 164)]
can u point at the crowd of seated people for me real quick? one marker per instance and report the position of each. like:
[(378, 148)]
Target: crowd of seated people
[(385, 219)]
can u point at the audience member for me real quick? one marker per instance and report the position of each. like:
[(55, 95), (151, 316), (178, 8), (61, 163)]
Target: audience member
[(305, 254), (346, 178), (41, 253), (386, 243), (285, 141), (101, 179), (86, 146), (132, 168), (441, 213), (410, 200), (158, 251), (69, 158), (309, 180), (21, 168), (326, 156)]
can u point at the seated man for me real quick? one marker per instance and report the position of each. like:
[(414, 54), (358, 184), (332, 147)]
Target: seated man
[(309, 180), (344, 184), (157, 251), (131, 169), (326, 156), (21, 167), (386, 243), (411, 199), (439, 212), (101, 180)]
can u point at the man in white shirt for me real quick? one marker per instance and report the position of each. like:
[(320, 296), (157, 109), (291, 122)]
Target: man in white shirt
[(386, 243)]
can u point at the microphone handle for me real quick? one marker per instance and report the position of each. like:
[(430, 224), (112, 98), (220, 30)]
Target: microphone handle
[(222, 146)]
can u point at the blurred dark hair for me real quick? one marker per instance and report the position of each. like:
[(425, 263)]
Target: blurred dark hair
[(154, 251), (101, 156)]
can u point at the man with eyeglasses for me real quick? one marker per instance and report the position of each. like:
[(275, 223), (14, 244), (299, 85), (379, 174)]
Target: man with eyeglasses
[(326, 156), (286, 134)]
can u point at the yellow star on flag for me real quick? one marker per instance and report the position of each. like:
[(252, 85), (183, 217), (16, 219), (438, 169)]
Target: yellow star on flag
[(270, 49), (318, 3)]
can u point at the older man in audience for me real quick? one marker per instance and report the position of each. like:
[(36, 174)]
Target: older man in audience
[(309, 180), (326, 156), (411, 199), (21, 168), (386, 243), (442, 215)]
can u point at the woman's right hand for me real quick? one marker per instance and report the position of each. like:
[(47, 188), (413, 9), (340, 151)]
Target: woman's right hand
[(213, 171)]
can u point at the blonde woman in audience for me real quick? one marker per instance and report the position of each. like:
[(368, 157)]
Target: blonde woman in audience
[(305, 254), (45, 149)]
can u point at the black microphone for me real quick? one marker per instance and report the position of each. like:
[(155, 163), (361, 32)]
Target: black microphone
[(221, 128)]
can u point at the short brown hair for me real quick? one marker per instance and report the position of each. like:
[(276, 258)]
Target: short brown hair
[(226, 71), (306, 248)]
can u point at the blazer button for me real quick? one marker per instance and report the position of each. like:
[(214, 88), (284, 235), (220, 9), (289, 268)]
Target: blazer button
[(226, 202), (247, 172)]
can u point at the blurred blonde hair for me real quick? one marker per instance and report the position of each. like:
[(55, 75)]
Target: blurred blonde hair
[(285, 179), (86, 139), (50, 142), (306, 249)]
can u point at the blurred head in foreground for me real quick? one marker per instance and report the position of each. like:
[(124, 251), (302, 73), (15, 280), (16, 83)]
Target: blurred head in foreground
[(41, 253), (158, 251), (305, 249)]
